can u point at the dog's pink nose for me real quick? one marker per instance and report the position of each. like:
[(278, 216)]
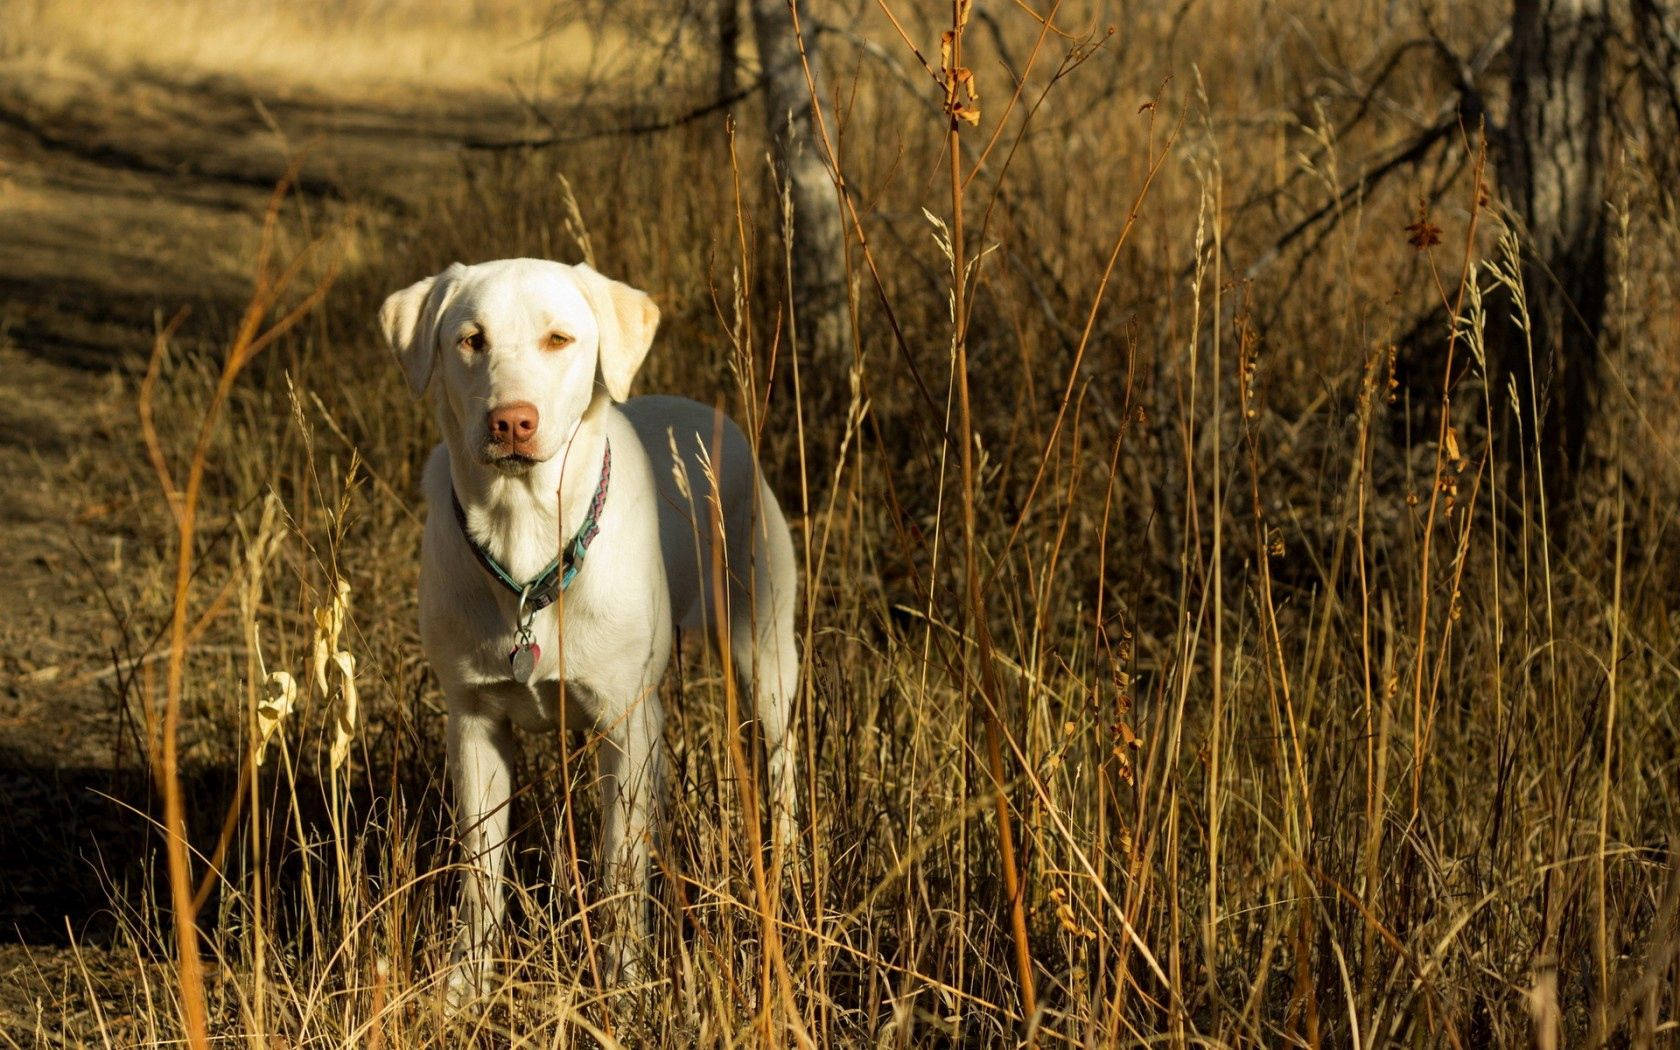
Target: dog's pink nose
[(513, 424)]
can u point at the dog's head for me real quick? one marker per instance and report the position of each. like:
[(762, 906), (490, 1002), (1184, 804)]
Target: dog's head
[(517, 350)]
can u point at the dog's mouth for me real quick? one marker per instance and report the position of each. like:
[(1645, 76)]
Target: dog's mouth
[(509, 461)]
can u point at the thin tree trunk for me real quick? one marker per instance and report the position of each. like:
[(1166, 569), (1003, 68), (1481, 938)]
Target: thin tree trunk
[(819, 241), (1552, 167)]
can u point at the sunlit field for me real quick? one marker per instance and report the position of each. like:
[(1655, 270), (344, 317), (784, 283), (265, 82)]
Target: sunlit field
[(1319, 713)]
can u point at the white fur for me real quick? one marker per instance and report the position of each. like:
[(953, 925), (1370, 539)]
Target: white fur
[(647, 570)]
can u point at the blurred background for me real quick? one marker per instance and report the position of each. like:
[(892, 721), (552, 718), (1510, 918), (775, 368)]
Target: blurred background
[(1229, 445)]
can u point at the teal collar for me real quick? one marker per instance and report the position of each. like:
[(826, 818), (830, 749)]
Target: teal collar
[(544, 589)]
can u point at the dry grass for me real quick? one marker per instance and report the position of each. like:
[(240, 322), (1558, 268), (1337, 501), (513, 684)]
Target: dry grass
[(1318, 730)]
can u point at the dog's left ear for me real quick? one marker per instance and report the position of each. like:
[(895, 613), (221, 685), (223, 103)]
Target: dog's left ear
[(626, 319)]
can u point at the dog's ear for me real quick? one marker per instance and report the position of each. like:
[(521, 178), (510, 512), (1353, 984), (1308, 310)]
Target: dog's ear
[(409, 320), (626, 318)]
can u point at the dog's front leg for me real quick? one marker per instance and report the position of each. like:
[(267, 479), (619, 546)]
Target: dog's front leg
[(481, 765), (632, 768)]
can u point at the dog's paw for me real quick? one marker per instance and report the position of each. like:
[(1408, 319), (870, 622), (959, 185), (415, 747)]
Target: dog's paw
[(467, 983), (787, 845), (622, 961)]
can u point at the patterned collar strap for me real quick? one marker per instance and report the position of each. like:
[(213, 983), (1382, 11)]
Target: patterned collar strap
[(543, 589)]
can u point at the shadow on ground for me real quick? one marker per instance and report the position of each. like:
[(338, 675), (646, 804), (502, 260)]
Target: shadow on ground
[(81, 849)]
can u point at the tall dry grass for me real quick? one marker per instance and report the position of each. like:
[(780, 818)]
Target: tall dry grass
[(1307, 722)]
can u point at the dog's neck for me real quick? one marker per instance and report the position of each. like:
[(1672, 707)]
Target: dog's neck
[(523, 520)]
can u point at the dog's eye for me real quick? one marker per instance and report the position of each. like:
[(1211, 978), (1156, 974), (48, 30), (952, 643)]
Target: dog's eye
[(556, 341), (473, 341)]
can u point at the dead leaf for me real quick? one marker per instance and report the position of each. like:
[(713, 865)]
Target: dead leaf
[(329, 624), (272, 709), (1423, 234), (344, 728)]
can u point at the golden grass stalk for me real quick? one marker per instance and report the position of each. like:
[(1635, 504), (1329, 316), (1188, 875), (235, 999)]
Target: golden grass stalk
[(961, 99), (254, 333)]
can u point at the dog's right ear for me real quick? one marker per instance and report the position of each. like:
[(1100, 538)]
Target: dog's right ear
[(409, 320)]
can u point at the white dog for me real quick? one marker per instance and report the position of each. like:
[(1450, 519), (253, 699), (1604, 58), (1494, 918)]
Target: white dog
[(565, 536)]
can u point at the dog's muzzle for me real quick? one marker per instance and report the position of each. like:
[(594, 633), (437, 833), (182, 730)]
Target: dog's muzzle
[(511, 430)]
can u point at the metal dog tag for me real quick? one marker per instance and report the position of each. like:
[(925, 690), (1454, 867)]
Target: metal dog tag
[(523, 660)]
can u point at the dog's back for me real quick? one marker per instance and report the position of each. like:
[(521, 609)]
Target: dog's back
[(689, 445)]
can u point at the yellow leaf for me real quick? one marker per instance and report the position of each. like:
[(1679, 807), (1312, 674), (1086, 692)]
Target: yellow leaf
[(965, 80), (1130, 738), (329, 624), (281, 689), (345, 726)]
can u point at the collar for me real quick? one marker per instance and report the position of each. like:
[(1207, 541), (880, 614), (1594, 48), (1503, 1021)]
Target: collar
[(544, 589)]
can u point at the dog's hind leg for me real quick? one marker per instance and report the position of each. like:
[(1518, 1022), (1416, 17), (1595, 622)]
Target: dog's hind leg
[(766, 655)]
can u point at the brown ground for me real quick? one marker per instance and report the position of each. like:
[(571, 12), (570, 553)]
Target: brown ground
[(123, 198)]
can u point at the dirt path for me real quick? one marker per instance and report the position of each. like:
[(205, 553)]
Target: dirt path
[(121, 201)]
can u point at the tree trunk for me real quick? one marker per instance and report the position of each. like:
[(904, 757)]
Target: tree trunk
[(1552, 168), (821, 315)]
